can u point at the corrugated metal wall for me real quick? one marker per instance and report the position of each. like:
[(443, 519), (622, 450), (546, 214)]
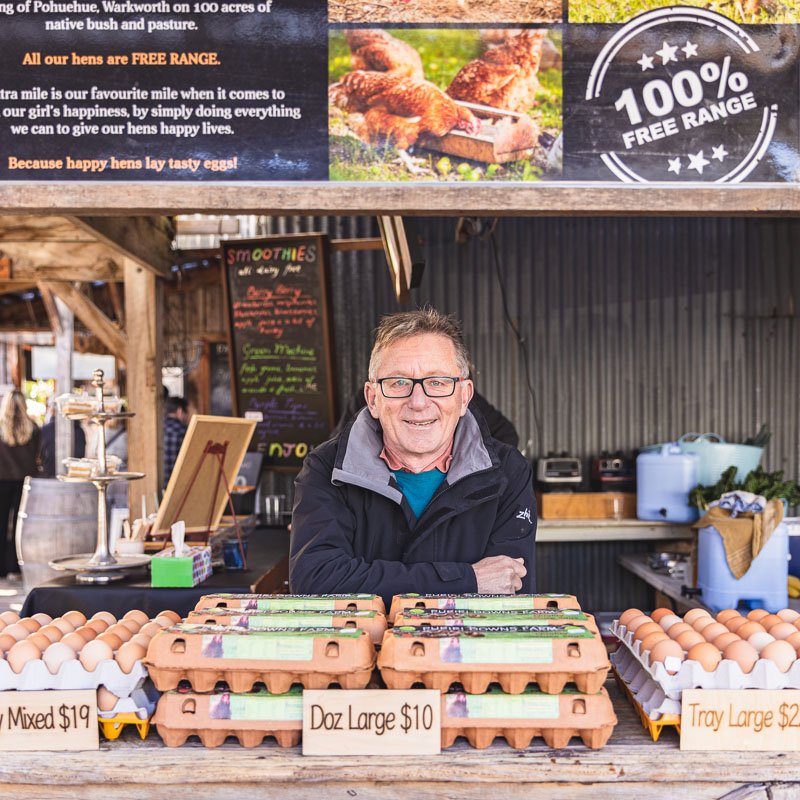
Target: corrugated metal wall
[(637, 330)]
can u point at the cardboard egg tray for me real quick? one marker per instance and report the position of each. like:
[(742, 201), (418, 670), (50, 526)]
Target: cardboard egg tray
[(435, 617), (549, 655), (481, 602), (294, 602), (213, 717), (373, 622), (518, 718), (73, 675), (278, 658), (690, 675)]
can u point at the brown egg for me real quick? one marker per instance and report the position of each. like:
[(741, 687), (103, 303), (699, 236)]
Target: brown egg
[(57, 654), (131, 624), (706, 655), (744, 654), (130, 653), (645, 630), (111, 639), (93, 653), (632, 625), (65, 626), (664, 652), (676, 630), (151, 629), (626, 616), (769, 621), (748, 629), (86, 633), (712, 631), (701, 623), (656, 616), (789, 615), (17, 630), (144, 640), (7, 642), (760, 639), (648, 641), (20, 654), (137, 616), (794, 640), (120, 630), (721, 642), (726, 614), (75, 641), (42, 619), (168, 622), (51, 632), (174, 616), (106, 700), (688, 639), (693, 614), (735, 623), (75, 618), (42, 642), (671, 619), (97, 625), (30, 624), (756, 614), (9, 617), (783, 631), (107, 617), (781, 653)]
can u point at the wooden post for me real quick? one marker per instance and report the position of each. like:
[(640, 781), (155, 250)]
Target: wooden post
[(143, 316), (65, 346)]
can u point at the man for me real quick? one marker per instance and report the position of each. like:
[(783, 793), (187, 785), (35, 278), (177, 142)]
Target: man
[(176, 410), (415, 495)]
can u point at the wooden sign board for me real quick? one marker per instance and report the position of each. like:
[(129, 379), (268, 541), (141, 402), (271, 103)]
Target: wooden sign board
[(740, 719), (195, 493), (51, 720), (340, 722)]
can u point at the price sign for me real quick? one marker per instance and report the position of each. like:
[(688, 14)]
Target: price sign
[(49, 720), (745, 719), (371, 722)]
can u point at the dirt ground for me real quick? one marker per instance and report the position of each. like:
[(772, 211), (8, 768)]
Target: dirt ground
[(437, 11)]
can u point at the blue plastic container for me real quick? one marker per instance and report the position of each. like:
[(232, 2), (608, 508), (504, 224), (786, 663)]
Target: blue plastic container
[(664, 478), (762, 586)]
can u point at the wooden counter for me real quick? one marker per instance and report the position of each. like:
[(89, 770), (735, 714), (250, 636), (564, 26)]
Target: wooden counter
[(609, 530), (630, 766)]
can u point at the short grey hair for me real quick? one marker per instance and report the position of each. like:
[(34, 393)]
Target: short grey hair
[(394, 327)]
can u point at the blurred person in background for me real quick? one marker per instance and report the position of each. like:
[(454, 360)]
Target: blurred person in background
[(48, 445), (19, 457), (176, 411)]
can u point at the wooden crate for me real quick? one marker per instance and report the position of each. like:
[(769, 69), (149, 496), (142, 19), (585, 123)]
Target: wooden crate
[(586, 505)]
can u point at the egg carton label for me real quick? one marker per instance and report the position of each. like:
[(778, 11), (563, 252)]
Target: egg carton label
[(494, 616), (466, 650), (507, 633), (499, 705), (250, 647), (295, 602)]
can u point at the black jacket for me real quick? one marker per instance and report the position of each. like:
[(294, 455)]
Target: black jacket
[(354, 531)]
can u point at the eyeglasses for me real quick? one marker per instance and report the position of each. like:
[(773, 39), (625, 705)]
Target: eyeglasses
[(435, 386)]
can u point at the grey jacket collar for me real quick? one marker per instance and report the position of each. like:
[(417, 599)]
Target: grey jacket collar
[(358, 460)]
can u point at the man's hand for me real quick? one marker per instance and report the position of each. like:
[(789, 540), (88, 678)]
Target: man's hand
[(499, 574)]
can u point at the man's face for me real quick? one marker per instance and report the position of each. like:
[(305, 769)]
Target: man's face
[(419, 426)]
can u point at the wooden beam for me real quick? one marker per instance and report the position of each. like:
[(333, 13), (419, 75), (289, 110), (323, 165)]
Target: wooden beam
[(116, 302), (143, 310), (8, 287), (349, 245), (147, 241), (92, 317), (398, 256), (63, 260), (49, 302), (208, 226)]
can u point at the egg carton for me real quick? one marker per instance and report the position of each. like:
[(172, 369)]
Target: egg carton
[(548, 655), (373, 622), (654, 727), (481, 602), (278, 658), (691, 675), (435, 617), (294, 602), (73, 675), (520, 717), (213, 717), (645, 689), (141, 702)]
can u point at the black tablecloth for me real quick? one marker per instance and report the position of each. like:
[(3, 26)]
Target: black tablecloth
[(268, 546)]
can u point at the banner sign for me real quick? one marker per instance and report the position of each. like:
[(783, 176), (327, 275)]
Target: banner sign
[(408, 91)]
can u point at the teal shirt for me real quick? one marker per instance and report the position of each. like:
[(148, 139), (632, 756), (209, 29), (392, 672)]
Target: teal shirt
[(419, 487)]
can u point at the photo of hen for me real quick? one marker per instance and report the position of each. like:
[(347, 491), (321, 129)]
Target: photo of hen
[(408, 95), (436, 12)]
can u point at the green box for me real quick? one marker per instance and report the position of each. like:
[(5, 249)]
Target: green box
[(167, 571)]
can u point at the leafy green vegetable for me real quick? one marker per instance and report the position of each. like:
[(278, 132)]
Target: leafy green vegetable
[(770, 485)]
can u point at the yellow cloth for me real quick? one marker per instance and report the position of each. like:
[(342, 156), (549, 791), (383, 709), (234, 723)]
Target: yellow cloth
[(745, 535)]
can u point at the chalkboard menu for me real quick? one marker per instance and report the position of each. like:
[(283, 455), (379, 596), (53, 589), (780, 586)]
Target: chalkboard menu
[(281, 365)]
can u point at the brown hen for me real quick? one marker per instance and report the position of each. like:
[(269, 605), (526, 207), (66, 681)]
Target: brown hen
[(503, 77), (374, 49), (399, 109)]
